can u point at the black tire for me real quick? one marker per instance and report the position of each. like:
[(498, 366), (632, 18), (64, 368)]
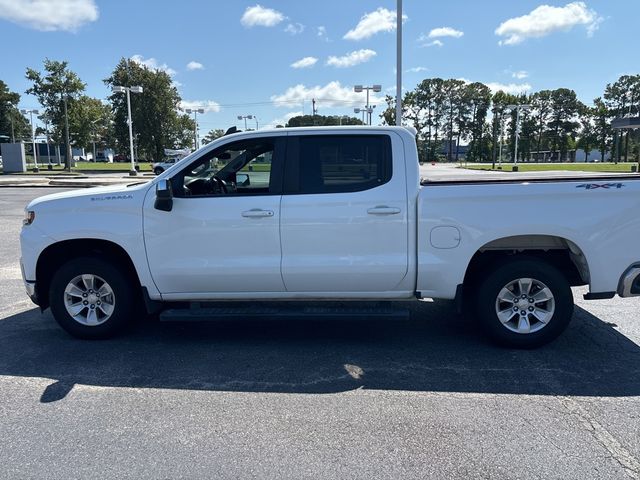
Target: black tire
[(158, 170), (488, 289), (118, 281)]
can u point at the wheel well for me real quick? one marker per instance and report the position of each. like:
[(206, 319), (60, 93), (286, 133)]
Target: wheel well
[(563, 254), (57, 254)]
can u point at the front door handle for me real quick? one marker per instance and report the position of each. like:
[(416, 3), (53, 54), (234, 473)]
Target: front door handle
[(257, 213), (383, 210)]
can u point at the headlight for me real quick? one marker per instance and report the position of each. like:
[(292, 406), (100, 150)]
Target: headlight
[(29, 217)]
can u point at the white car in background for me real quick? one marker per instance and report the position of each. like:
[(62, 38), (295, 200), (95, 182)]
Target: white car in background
[(173, 156)]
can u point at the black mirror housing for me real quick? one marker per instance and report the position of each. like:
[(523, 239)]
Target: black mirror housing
[(164, 196)]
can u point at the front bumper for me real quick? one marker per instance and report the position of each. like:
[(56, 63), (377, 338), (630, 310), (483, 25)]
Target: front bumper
[(629, 285), (30, 287)]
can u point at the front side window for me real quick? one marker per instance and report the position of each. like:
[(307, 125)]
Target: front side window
[(242, 167), (340, 163)]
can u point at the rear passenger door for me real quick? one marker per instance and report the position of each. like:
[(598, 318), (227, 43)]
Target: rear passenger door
[(344, 219)]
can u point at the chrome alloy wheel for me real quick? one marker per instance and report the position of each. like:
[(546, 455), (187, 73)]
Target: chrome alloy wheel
[(525, 305), (89, 300)]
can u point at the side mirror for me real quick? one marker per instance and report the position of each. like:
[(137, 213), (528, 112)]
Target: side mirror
[(242, 180), (164, 196)]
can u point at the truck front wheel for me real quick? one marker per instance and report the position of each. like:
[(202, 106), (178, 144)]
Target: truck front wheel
[(524, 303), (91, 298)]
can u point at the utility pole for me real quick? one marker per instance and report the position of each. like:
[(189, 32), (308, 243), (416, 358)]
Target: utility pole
[(399, 64)]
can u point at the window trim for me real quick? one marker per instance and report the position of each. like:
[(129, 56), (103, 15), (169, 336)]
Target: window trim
[(275, 178), (291, 180)]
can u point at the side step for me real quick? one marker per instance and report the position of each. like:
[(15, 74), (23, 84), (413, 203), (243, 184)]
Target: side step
[(280, 310)]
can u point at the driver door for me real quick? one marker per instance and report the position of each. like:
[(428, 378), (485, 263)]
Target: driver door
[(222, 235)]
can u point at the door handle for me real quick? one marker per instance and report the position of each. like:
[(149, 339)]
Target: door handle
[(383, 210), (257, 213)]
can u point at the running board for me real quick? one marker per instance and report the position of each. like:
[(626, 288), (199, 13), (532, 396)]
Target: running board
[(294, 310)]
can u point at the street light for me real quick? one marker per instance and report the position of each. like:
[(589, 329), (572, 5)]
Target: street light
[(10, 114), (195, 112), (245, 118), (517, 109), (399, 63), (367, 110), (33, 136), (360, 88), (127, 90)]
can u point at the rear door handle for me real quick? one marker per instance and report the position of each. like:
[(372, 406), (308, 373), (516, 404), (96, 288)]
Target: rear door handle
[(257, 213), (383, 210)]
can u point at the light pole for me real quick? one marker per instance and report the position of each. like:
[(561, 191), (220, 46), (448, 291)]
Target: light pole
[(33, 136), (360, 88), (503, 117), (367, 110), (195, 112), (517, 109), (399, 63), (10, 114), (245, 118), (45, 119), (127, 90)]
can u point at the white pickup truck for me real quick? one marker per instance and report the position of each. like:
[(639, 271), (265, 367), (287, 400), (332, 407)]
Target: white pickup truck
[(335, 213)]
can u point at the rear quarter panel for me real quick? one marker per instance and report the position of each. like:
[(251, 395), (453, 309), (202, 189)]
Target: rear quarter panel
[(603, 222)]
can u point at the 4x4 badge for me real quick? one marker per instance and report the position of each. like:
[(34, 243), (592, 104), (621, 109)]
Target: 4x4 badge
[(591, 186)]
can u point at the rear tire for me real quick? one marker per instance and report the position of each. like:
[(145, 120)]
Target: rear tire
[(91, 298), (524, 303)]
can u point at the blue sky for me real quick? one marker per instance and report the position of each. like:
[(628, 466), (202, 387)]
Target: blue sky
[(241, 53)]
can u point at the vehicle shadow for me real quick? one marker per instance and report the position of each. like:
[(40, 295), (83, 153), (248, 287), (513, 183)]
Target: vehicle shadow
[(433, 350)]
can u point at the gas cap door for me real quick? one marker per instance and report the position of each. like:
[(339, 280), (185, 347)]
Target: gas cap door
[(445, 237)]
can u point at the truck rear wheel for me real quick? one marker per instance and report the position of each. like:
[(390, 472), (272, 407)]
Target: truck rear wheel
[(524, 303), (91, 298)]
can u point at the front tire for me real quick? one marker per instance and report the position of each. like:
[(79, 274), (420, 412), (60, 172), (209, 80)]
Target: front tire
[(91, 298), (524, 303), (158, 170)]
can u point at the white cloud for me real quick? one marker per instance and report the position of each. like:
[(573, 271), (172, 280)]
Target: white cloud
[(511, 88), (435, 43), (282, 120), (322, 31), (520, 74), (353, 58), (261, 16), (294, 28), (381, 20), (208, 105), (49, 15), (445, 32), (305, 62), (153, 64), (193, 65), (417, 70), (333, 94), (545, 20)]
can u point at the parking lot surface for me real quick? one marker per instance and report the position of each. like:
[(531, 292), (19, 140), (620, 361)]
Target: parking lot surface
[(423, 397)]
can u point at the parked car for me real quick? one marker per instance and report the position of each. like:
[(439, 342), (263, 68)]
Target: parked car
[(339, 214), (121, 158), (160, 167)]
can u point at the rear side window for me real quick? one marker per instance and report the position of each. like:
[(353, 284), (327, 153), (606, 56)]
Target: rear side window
[(337, 163)]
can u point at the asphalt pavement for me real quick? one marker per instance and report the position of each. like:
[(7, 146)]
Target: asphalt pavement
[(422, 397)]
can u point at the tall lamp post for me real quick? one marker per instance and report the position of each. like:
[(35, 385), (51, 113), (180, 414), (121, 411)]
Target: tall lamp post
[(195, 112), (33, 136), (367, 110), (127, 90), (375, 88), (399, 63), (10, 115), (517, 108), (245, 118)]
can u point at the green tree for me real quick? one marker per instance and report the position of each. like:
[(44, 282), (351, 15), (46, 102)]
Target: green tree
[(563, 122), (541, 104), (156, 122), (322, 121), (55, 89), (602, 127), (477, 96), (12, 124), (212, 135)]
